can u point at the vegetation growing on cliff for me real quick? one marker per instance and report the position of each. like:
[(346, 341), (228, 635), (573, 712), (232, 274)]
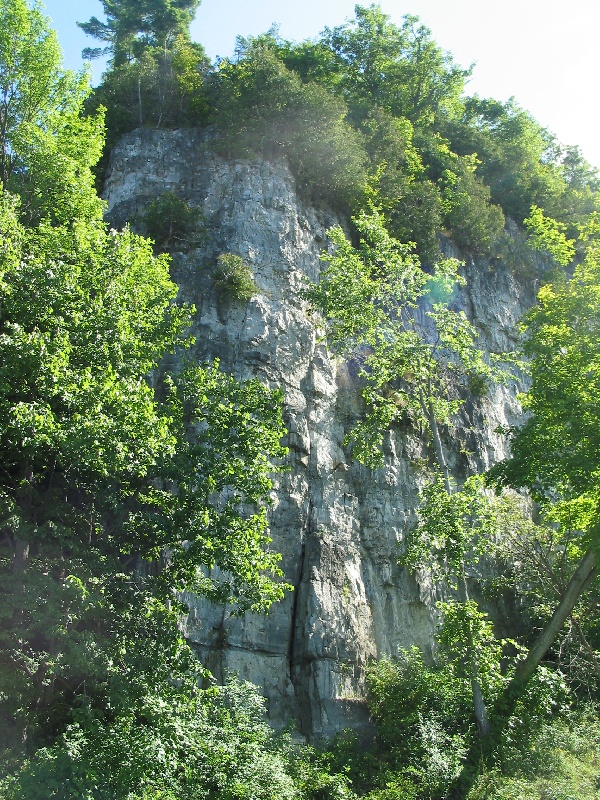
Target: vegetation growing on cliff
[(123, 486), (120, 485), (368, 105), (414, 347)]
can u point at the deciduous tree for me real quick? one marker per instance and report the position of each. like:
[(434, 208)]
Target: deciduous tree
[(47, 148), (120, 486), (556, 454), (416, 354)]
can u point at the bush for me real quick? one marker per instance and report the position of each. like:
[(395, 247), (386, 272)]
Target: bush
[(423, 727), (173, 747), (233, 278), (173, 224), (314, 776), (425, 724), (561, 762), (262, 108)]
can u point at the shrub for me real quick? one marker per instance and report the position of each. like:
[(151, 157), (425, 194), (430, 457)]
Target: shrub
[(561, 762), (172, 223), (175, 747), (423, 726), (233, 278)]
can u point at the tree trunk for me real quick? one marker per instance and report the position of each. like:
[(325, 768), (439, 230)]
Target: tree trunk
[(505, 706), (584, 572), (479, 709)]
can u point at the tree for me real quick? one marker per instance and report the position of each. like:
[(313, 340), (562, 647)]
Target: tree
[(107, 498), (47, 149), (412, 204), (156, 74), (556, 454), (456, 531), (520, 160), (398, 69), (261, 107), (163, 88), (133, 25), (120, 486), (476, 223), (416, 351), (371, 298)]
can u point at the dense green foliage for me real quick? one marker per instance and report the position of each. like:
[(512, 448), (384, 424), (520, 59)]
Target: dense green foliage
[(560, 761), (367, 106), (555, 453), (179, 743), (47, 149), (173, 224), (163, 88), (260, 106), (424, 727), (415, 349), (123, 487), (99, 474), (156, 74), (521, 162), (131, 26), (438, 160), (558, 450), (233, 279)]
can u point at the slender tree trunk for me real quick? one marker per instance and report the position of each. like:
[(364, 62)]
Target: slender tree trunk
[(479, 708), (19, 565), (582, 575), (505, 706)]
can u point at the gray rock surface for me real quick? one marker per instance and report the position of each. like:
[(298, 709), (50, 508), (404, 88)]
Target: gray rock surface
[(339, 526)]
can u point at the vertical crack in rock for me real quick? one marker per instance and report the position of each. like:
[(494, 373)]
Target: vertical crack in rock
[(295, 655), (294, 619)]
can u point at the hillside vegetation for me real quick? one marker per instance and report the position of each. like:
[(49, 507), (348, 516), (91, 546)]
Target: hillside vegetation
[(106, 457)]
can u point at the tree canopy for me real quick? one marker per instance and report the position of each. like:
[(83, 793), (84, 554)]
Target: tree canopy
[(557, 451), (399, 69), (47, 147), (367, 106), (131, 26), (121, 485)]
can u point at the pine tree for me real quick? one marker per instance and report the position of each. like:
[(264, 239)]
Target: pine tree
[(133, 25)]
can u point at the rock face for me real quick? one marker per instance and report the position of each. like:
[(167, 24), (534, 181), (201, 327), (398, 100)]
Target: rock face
[(339, 526)]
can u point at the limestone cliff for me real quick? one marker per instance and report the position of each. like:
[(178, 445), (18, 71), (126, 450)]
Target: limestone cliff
[(338, 525)]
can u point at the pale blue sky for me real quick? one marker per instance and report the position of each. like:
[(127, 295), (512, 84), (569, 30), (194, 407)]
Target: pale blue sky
[(544, 52)]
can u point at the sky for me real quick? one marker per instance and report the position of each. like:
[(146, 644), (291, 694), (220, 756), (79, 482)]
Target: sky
[(544, 53)]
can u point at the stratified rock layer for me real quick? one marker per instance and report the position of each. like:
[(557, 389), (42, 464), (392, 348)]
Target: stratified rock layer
[(338, 525)]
